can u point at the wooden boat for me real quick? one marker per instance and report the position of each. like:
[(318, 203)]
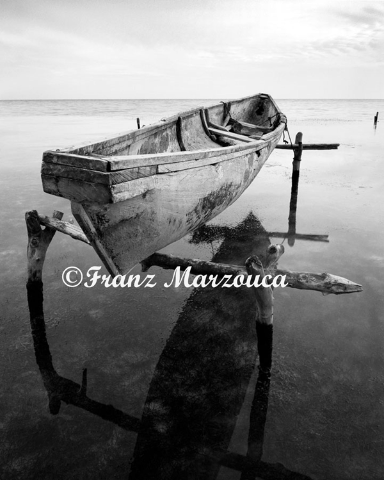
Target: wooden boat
[(137, 192)]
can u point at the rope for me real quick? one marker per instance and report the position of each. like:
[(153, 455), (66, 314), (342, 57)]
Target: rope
[(270, 118), (286, 128), (227, 109)]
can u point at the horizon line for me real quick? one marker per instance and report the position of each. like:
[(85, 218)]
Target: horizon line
[(143, 99)]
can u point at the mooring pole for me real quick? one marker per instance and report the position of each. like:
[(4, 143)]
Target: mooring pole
[(375, 119), (299, 149), (294, 189), (138, 123), (293, 205)]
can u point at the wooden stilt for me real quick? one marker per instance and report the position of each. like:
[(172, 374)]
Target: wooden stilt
[(310, 146), (322, 282), (294, 190), (64, 227), (299, 146), (38, 243), (264, 296)]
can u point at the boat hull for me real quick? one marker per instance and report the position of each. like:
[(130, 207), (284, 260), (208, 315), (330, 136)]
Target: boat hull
[(137, 192), (127, 232)]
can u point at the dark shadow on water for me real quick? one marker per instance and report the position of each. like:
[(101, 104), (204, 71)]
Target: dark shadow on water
[(211, 233), (200, 381)]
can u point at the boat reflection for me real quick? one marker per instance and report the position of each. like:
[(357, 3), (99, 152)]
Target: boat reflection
[(199, 384), (211, 233)]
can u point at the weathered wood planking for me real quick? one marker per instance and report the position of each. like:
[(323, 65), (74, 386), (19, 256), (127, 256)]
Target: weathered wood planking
[(86, 192), (124, 162), (175, 204), (81, 190), (129, 161), (251, 126), (194, 134), (153, 139), (320, 282), (93, 237), (219, 127), (74, 160), (92, 176), (243, 128), (132, 141), (124, 140), (76, 190), (104, 191), (310, 146), (234, 136), (64, 227), (175, 167), (134, 204), (204, 123)]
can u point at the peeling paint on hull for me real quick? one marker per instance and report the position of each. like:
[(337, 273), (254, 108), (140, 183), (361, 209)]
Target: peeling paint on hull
[(131, 230)]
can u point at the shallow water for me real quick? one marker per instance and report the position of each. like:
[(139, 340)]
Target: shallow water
[(147, 350)]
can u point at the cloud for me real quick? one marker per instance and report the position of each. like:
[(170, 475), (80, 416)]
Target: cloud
[(60, 44), (363, 15)]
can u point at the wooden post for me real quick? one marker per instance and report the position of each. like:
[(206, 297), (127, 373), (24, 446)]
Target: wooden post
[(375, 119), (264, 298), (310, 146), (299, 149), (38, 243), (293, 203), (321, 282), (294, 190), (138, 123)]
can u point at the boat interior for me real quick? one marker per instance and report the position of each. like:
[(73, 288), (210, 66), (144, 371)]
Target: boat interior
[(227, 123)]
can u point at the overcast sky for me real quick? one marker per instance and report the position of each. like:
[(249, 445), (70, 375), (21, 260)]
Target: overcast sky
[(191, 49)]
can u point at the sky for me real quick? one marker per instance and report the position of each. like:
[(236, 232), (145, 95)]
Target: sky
[(69, 49)]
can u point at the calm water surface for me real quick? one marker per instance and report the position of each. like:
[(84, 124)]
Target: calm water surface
[(177, 374)]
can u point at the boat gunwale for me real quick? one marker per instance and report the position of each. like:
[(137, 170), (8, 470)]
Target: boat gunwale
[(118, 162), (115, 192), (126, 162), (136, 134)]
